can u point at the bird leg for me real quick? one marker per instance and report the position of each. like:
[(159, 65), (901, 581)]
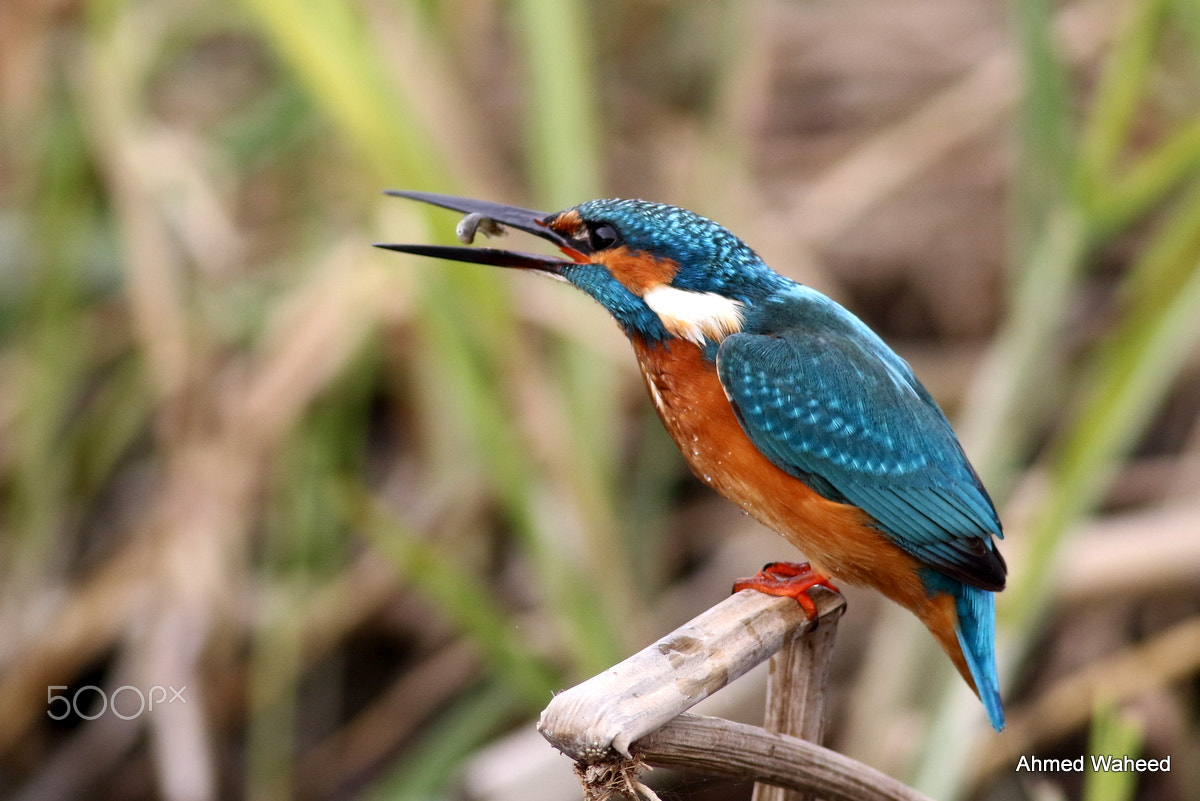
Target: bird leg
[(787, 579)]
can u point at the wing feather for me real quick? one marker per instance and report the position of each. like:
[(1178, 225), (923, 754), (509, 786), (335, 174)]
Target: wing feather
[(841, 411)]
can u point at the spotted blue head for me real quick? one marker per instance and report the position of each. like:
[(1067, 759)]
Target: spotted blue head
[(663, 272)]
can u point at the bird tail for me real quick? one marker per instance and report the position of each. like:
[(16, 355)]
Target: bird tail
[(963, 620), (976, 631)]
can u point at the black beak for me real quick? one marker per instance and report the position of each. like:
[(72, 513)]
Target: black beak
[(534, 222)]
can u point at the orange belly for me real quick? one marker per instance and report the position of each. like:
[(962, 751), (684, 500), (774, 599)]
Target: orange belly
[(838, 539)]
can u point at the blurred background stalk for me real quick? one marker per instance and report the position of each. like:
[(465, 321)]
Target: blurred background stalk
[(375, 510)]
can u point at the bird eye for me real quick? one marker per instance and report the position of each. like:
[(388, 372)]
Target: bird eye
[(602, 236)]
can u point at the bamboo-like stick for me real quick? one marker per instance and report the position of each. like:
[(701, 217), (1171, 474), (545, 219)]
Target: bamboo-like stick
[(631, 715), (796, 694), (603, 716)]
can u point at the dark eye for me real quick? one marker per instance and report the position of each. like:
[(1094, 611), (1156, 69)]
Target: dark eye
[(602, 236)]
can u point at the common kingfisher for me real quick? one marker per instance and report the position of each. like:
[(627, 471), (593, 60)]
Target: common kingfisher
[(785, 403)]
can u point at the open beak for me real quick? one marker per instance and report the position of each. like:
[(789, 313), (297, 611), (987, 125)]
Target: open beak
[(534, 222)]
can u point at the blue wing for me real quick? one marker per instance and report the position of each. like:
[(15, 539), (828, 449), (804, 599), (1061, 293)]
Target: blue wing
[(827, 401)]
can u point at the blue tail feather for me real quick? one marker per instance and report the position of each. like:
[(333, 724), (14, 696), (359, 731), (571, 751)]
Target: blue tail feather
[(977, 636)]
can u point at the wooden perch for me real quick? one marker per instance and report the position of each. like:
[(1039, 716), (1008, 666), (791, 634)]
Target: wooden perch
[(631, 714), (609, 711)]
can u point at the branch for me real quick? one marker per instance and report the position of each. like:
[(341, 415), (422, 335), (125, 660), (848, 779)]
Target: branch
[(723, 748), (603, 716), (631, 714)]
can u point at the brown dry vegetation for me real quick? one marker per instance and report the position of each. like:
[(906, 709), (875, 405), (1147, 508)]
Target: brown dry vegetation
[(371, 511)]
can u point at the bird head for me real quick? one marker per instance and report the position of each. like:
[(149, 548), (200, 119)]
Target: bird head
[(663, 272)]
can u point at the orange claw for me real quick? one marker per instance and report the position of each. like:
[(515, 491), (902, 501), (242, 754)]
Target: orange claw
[(789, 580)]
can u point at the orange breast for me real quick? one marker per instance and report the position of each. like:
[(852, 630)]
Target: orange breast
[(836, 538)]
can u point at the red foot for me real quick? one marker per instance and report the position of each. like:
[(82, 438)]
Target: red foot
[(789, 580)]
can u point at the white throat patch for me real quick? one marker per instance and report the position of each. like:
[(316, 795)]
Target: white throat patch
[(695, 316)]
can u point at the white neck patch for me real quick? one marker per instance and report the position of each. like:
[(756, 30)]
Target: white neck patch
[(695, 316)]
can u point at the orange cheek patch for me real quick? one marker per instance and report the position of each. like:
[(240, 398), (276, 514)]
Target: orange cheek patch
[(637, 270)]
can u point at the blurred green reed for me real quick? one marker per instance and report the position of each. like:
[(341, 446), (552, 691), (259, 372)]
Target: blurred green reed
[(469, 348), (1112, 735), (468, 345), (85, 393), (1081, 184)]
